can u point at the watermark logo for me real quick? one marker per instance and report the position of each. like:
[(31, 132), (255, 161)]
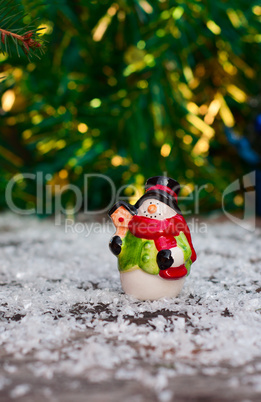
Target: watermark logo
[(85, 229), (248, 221), (49, 199)]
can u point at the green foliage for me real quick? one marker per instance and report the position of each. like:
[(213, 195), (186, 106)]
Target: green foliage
[(25, 38), (132, 89)]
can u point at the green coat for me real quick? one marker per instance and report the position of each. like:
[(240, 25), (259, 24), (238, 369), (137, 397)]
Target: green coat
[(141, 253)]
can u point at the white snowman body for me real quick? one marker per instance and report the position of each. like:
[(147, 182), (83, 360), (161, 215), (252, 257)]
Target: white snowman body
[(144, 286)]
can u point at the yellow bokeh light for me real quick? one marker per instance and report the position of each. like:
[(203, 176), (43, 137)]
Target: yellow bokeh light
[(87, 143), (60, 144), (139, 179), (256, 10), (45, 29), (3, 57), (27, 134), (214, 107), (50, 110), (187, 189), (213, 27), (192, 107), (225, 112), (61, 110), (184, 89), (201, 146), (165, 14), (177, 13), (122, 93), (146, 6), (30, 67), (199, 161), (165, 150), (101, 28), (203, 109), (112, 10), (37, 119), (238, 200), (8, 100), (63, 174), (187, 139), (223, 55), (121, 15), (117, 160), (180, 133), (209, 118), (142, 84), (45, 147), (112, 81), (234, 18), (102, 25), (194, 83), (201, 125), (82, 128), (229, 68), (149, 59), (17, 73), (96, 102), (72, 162), (237, 93), (188, 73)]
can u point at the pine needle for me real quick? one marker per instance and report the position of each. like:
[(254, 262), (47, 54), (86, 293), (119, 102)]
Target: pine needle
[(24, 37)]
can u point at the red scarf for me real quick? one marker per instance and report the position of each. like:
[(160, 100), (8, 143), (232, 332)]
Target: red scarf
[(162, 232)]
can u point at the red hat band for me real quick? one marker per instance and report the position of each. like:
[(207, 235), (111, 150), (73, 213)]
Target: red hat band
[(163, 188)]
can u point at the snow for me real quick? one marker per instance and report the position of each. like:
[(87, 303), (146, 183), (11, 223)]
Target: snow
[(64, 313)]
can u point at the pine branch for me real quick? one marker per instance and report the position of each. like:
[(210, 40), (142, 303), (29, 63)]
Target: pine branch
[(26, 41), (24, 38)]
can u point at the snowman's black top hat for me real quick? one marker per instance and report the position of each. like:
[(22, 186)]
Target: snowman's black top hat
[(161, 188)]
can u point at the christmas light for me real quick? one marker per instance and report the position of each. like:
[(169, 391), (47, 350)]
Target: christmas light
[(63, 174), (116, 160), (95, 103), (8, 100), (146, 6), (201, 125), (165, 150), (213, 27), (82, 128), (237, 93)]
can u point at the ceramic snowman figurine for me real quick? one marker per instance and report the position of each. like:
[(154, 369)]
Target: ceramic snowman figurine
[(152, 242)]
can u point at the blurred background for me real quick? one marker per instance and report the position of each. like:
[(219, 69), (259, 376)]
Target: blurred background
[(132, 89)]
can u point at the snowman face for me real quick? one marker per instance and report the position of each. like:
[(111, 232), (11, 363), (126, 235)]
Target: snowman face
[(155, 209)]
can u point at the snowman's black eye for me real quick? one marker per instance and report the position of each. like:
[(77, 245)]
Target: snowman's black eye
[(144, 212), (157, 203), (151, 202)]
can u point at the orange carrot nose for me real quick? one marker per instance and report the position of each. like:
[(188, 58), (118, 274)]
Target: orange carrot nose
[(152, 208)]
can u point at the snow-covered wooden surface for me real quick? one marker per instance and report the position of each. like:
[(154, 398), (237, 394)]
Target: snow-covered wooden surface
[(68, 333)]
